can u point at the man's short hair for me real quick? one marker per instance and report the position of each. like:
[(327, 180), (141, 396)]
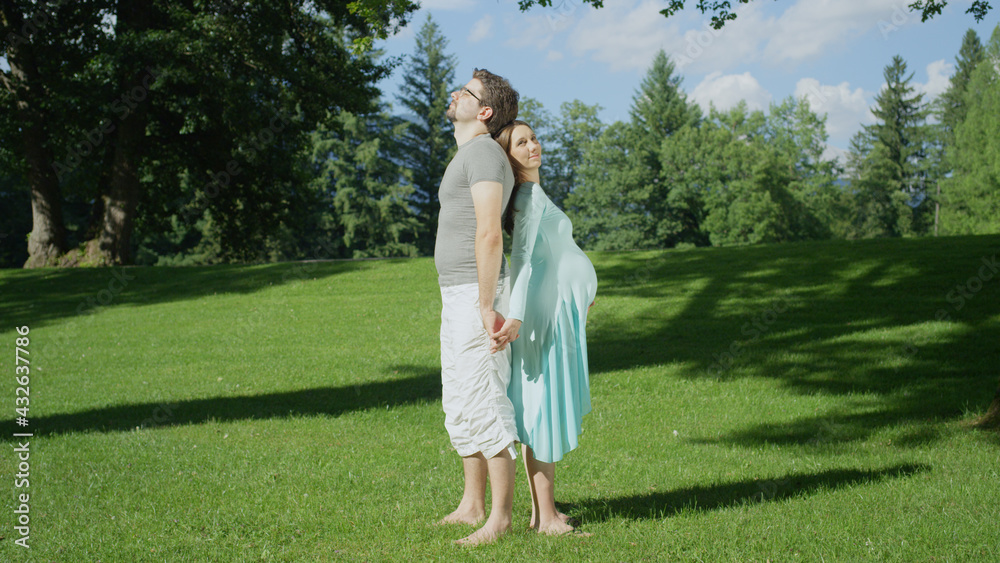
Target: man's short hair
[(498, 95)]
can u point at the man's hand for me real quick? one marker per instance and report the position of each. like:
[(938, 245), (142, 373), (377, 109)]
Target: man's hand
[(492, 321), (504, 332)]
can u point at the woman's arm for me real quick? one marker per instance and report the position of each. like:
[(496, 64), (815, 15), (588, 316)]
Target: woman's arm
[(526, 222)]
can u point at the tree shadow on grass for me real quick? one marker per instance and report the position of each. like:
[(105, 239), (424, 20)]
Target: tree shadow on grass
[(837, 318), (660, 505), (41, 297), (418, 384)]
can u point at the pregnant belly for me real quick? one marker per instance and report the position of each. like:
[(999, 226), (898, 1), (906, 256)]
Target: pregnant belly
[(576, 272)]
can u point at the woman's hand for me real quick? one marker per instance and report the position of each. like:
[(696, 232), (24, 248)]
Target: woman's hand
[(506, 334)]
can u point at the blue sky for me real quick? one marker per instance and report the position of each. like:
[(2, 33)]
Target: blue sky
[(832, 52)]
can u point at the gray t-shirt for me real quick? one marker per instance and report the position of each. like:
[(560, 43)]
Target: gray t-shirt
[(480, 159)]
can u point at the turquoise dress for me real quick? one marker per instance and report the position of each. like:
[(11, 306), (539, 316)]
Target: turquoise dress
[(554, 284)]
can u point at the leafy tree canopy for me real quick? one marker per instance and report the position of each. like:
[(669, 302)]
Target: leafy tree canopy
[(723, 12)]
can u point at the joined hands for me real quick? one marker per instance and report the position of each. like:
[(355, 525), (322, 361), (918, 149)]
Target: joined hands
[(502, 331)]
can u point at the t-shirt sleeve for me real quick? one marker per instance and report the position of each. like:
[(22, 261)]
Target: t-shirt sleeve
[(527, 219), (486, 162)]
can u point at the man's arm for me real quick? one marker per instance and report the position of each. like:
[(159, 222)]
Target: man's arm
[(487, 197)]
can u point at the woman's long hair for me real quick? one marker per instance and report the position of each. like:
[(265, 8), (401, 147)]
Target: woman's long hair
[(503, 136)]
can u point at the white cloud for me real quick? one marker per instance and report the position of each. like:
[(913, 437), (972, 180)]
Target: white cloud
[(846, 109), (726, 91), (447, 5), (624, 35), (831, 152), (806, 30), (811, 28), (938, 79), (627, 34), (482, 29), (554, 56), (530, 31), (703, 49)]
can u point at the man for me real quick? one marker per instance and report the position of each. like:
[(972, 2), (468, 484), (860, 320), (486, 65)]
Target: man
[(472, 274)]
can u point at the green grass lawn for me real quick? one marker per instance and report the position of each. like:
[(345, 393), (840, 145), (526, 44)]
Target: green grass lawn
[(799, 402)]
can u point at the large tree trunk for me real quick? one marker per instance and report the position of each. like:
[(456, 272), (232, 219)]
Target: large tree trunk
[(48, 233), (115, 239), (121, 201), (47, 241)]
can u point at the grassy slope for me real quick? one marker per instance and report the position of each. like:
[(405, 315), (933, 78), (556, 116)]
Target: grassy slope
[(791, 402)]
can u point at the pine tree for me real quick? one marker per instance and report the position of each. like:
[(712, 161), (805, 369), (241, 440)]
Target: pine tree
[(364, 190), (891, 158), (428, 144), (875, 185), (951, 107), (972, 194), (576, 129), (660, 107), (128, 104), (624, 166), (659, 110)]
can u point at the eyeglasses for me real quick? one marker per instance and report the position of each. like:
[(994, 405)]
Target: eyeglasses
[(464, 89)]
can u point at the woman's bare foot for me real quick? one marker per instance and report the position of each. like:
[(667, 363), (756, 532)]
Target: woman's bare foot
[(460, 516), (486, 534), (566, 519), (560, 528)]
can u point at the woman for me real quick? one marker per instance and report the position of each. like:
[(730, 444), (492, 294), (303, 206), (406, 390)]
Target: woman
[(554, 285)]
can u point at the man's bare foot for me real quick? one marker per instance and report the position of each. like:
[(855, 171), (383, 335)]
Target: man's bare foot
[(486, 534), (470, 517)]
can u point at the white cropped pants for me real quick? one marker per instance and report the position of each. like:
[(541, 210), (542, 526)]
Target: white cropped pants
[(479, 416)]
